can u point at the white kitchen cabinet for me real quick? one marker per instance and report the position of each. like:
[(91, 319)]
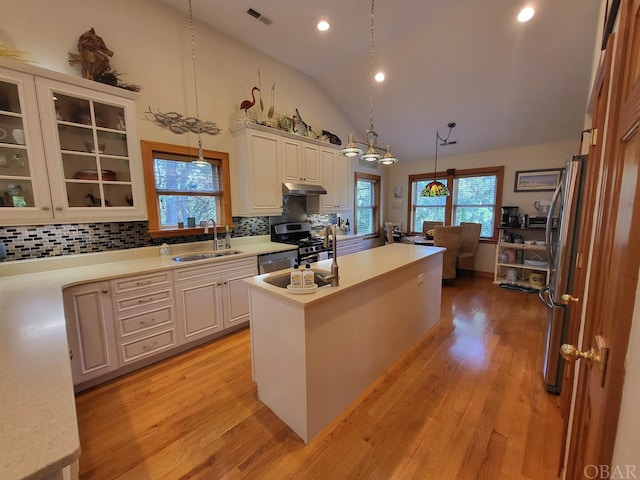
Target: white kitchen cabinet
[(92, 342), (144, 315), (69, 150), (235, 295), (256, 172), (336, 179), (212, 297), (300, 161)]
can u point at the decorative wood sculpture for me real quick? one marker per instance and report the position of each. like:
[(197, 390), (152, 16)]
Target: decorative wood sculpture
[(94, 55)]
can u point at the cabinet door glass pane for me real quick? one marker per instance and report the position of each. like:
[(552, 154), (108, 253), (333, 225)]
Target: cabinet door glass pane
[(71, 109), (109, 116), (9, 98), (76, 139), (113, 143), (79, 167), (80, 194), (117, 195), (14, 162), (16, 193), (11, 130), (115, 169)]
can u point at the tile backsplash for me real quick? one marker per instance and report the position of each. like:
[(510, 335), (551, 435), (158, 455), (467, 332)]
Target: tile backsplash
[(40, 241)]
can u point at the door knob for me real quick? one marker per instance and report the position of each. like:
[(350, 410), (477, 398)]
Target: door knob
[(571, 353), (597, 356), (567, 299)]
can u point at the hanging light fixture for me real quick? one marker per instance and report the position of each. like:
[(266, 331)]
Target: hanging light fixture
[(200, 161), (373, 151), (436, 188)]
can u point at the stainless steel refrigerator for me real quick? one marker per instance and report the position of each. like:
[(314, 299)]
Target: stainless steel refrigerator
[(566, 206)]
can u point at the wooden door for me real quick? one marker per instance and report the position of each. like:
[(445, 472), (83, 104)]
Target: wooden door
[(613, 269)]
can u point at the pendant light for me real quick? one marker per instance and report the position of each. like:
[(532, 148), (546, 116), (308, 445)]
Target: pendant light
[(436, 188), (373, 151), (200, 161)]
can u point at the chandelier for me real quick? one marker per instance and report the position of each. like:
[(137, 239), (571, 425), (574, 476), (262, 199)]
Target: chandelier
[(373, 153), (436, 188)]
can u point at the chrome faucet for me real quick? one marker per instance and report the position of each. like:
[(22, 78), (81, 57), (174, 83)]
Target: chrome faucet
[(334, 277), (215, 232)]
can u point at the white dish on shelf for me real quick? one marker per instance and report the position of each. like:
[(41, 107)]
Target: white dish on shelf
[(302, 291)]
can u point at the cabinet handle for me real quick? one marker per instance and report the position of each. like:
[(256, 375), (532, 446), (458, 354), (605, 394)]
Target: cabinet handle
[(144, 322), (46, 209), (104, 290), (143, 282), (151, 345), (145, 300), (58, 209)]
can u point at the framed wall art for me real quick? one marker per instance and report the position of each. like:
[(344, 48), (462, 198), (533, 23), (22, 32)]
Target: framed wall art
[(537, 180)]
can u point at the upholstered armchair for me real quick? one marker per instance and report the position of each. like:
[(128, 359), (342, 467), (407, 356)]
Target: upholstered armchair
[(468, 245), (449, 238)]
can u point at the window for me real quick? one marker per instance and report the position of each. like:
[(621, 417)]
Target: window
[(178, 189), (475, 197), (367, 202)]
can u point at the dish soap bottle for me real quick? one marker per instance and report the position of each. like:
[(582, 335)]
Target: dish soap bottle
[(164, 250), (307, 277), (296, 277), (227, 239)]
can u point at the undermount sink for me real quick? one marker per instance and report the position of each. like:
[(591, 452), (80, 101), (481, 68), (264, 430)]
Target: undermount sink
[(283, 279), (203, 255)]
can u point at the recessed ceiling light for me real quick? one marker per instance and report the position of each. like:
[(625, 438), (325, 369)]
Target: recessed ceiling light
[(526, 14), (323, 25), (379, 77)]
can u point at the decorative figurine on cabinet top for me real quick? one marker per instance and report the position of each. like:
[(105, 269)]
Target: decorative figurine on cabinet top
[(94, 60)]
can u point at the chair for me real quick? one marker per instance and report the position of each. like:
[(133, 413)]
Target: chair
[(468, 245), (428, 225), (449, 238), (388, 233)]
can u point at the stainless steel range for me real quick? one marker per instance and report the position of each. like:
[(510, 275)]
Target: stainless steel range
[(310, 249)]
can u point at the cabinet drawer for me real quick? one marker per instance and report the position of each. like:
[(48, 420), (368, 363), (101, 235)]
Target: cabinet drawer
[(145, 321), (144, 299), (138, 282), (207, 270), (147, 346)]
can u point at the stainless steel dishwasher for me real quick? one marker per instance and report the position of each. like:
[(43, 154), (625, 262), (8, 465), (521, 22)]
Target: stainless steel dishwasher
[(271, 262)]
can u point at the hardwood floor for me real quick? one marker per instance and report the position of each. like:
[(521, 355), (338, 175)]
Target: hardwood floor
[(467, 402)]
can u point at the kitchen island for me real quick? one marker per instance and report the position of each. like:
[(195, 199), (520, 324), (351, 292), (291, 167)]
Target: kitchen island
[(313, 354)]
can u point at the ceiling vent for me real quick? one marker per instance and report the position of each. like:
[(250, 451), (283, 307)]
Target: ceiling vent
[(259, 16)]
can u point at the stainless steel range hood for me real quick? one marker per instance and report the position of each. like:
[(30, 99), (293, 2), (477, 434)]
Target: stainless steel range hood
[(302, 189)]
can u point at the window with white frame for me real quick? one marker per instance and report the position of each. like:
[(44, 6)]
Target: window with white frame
[(367, 201), (475, 197)]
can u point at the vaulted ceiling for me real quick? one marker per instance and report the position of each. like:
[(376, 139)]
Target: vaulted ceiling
[(504, 83)]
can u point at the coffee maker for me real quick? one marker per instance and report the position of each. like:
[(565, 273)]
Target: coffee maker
[(509, 216)]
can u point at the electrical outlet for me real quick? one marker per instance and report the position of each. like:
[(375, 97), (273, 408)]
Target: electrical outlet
[(420, 278)]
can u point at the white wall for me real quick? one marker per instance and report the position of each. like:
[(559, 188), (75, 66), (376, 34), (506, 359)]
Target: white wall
[(550, 155), (152, 47)]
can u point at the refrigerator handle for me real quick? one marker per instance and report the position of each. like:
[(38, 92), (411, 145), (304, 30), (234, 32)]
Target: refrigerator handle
[(546, 300), (547, 232)]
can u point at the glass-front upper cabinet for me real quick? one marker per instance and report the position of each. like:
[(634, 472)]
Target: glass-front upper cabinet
[(92, 141), (69, 150), (24, 192)]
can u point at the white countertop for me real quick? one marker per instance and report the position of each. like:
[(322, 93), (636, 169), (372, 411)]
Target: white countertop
[(38, 426), (354, 269)]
